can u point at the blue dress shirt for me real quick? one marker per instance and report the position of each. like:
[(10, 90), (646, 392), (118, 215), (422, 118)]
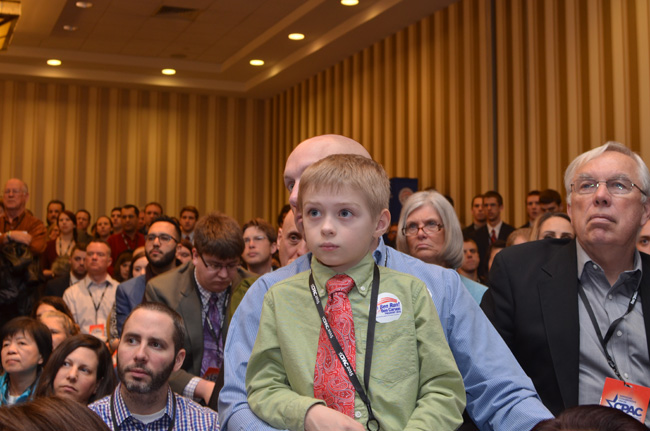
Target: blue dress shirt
[(499, 394)]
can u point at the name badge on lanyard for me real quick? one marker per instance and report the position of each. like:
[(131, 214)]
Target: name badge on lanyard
[(627, 397)]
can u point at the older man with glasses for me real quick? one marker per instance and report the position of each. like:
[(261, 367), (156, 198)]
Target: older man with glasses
[(18, 225), (568, 309), (205, 292)]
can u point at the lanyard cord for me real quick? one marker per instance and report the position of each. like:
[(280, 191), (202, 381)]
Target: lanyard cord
[(612, 327), (126, 242), (116, 426), (372, 320), (96, 306)]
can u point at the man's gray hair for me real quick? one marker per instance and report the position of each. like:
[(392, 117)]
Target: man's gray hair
[(452, 250), (642, 170)]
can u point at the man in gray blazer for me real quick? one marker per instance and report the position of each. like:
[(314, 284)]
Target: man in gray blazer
[(205, 292)]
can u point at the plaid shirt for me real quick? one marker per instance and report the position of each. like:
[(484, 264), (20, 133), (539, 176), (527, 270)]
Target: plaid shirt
[(189, 415)]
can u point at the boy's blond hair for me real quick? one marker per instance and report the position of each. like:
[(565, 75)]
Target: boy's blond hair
[(348, 171)]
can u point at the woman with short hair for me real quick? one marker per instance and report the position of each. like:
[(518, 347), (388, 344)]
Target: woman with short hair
[(26, 347), (428, 229)]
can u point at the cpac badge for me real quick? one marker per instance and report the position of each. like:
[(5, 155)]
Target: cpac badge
[(629, 398), (389, 308)]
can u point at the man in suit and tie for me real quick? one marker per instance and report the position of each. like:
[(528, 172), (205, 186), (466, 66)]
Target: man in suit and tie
[(205, 292), (189, 216), (555, 301), (495, 228)]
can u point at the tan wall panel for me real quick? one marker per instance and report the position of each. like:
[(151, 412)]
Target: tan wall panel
[(584, 69), (570, 74), (97, 147), (419, 101)]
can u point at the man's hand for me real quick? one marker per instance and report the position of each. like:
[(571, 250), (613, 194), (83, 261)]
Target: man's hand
[(204, 390), (20, 236), (321, 418)]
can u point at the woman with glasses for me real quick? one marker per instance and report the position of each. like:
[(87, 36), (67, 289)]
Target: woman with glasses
[(429, 230)]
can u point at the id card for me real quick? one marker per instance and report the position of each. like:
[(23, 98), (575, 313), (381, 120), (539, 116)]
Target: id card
[(211, 374), (97, 331), (632, 400)]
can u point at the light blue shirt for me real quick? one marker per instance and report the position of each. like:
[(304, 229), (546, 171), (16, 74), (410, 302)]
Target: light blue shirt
[(499, 394), (477, 290)]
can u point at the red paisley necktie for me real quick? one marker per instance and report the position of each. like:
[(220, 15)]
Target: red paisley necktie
[(493, 238), (331, 383)]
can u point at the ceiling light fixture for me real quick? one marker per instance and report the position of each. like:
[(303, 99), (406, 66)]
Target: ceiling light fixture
[(84, 4), (169, 71), (70, 27), (349, 2), (296, 36), (54, 62), (257, 62)]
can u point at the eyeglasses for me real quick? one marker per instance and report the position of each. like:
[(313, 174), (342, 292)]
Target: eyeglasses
[(615, 186), (429, 228), (163, 238), (13, 191), (258, 238), (218, 267)]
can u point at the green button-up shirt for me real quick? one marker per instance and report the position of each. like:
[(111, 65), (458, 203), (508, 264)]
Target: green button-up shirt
[(414, 381)]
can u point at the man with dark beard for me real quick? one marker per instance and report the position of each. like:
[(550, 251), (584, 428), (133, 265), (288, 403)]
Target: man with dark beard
[(160, 248), (150, 350)]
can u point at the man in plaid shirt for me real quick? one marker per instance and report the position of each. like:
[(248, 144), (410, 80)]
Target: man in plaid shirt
[(150, 349)]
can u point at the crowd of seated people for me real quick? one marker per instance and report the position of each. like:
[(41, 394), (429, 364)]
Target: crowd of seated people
[(64, 319)]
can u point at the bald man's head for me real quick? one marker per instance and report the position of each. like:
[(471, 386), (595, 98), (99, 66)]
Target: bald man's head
[(311, 151)]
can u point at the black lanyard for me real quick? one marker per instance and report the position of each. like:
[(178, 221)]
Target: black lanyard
[(96, 306), (369, 344), (116, 426), (612, 327)]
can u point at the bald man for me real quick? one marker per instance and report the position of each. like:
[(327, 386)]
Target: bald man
[(499, 395), (291, 244)]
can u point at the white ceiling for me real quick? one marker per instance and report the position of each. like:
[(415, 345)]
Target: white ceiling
[(126, 42)]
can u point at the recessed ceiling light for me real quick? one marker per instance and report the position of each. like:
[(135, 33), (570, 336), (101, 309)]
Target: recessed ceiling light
[(54, 62), (84, 4), (349, 2), (169, 71), (296, 36), (257, 62), (70, 27)]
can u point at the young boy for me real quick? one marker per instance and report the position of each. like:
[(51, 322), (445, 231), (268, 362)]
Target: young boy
[(295, 378)]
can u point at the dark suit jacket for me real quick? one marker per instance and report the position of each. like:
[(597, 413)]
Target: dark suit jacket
[(482, 238), (469, 230), (57, 286), (177, 288), (533, 303), (127, 296)]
